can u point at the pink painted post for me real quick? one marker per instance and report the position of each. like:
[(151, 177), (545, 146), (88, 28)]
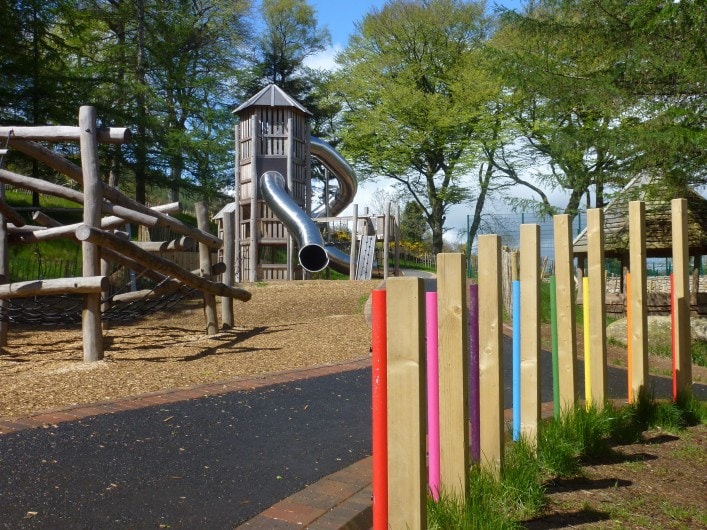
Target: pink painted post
[(474, 396), (432, 395)]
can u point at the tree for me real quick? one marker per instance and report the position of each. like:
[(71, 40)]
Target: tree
[(604, 89), (410, 114), (291, 35), (413, 226)]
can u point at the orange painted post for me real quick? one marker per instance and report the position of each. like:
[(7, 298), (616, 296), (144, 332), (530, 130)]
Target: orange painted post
[(380, 407)]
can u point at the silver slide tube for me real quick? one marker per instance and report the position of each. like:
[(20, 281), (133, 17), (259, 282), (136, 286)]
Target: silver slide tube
[(338, 165), (312, 255)]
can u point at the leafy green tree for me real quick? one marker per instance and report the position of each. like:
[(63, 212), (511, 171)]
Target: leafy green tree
[(411, 114), (604, 89), (290, 36), (413, 225)]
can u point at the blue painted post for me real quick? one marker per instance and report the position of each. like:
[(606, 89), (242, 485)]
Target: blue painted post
[(516, 360)]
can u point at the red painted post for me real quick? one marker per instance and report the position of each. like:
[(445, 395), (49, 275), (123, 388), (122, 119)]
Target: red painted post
[(380, 409)]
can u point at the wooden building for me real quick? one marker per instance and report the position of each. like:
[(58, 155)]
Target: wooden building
[(272, 134)]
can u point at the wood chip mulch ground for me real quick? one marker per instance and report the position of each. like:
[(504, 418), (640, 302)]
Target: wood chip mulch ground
[(286, 325)]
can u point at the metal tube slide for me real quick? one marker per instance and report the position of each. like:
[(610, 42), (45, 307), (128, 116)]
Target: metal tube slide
[(312, 255), (344, 173)]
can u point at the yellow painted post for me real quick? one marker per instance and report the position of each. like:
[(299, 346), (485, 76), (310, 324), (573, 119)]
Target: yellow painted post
[(587, 344), (490, 353), (453, 340), (638, 300), (682, 357), (407, 477), (529, 330), (566, 324), (597, 306)]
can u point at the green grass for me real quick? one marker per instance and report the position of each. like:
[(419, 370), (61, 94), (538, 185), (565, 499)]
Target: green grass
[(563, 446)]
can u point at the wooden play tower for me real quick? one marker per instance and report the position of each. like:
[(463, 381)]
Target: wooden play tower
[(272, 134)]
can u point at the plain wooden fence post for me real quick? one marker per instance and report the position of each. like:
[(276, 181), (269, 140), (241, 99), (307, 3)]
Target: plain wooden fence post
[(596, 306), (682, 357), (386, 240), (202, 221), (407, 476), (566, 324), (530, 330), (452, 318), (639, 304), (490, 353), (92, 191), (4, 272), (229, 257), (354, 235)]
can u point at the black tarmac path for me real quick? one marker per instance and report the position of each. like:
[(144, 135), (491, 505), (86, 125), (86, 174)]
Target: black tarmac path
[(205, 463)]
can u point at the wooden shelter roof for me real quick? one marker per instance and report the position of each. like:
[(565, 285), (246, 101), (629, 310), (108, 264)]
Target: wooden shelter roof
[(658, 220), (272, 96)]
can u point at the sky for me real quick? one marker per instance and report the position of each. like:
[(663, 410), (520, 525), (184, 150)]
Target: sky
[(340, 17)]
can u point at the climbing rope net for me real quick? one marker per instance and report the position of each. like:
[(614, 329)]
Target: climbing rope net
[(66, 309)]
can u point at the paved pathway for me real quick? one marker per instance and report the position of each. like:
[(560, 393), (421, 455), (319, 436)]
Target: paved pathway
[(211, 462)]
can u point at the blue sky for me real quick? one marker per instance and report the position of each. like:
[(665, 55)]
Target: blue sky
[(340, 16)]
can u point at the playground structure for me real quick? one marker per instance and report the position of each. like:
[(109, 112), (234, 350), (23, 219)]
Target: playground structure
[(100, 246), (446, 351), (273, 206)]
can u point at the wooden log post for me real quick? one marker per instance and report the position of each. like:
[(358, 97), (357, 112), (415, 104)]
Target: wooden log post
[(202, 221), (682, 357), (151, 261), (4, 272), (530, 331), (229, 257), (596, 306), (91, 313), (66, 133), (131, 206), (397, 240), (407, 477), (491, 428), (452, 318), (85, 284), (638, 299), (69, 231), (566, 323)]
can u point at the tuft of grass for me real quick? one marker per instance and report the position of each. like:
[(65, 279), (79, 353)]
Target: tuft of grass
[(522, 491)]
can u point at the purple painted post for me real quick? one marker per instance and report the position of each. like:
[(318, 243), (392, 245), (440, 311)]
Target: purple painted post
[(432, 395), (474, 405)]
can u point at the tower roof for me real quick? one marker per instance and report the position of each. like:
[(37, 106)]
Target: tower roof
[(272, 96)]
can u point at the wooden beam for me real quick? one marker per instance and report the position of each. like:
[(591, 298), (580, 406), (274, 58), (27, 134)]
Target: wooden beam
[(181, 244), (639, 303), (229, 258), (530, 330), (108, 240), (64, 133), (202, 220), (682, 357), (81, 285), (596, 306), (64, 166), (11, 214), (566, 323), (453, 373), (91, 314), (407, 471), (31, 235), (491, 420)]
